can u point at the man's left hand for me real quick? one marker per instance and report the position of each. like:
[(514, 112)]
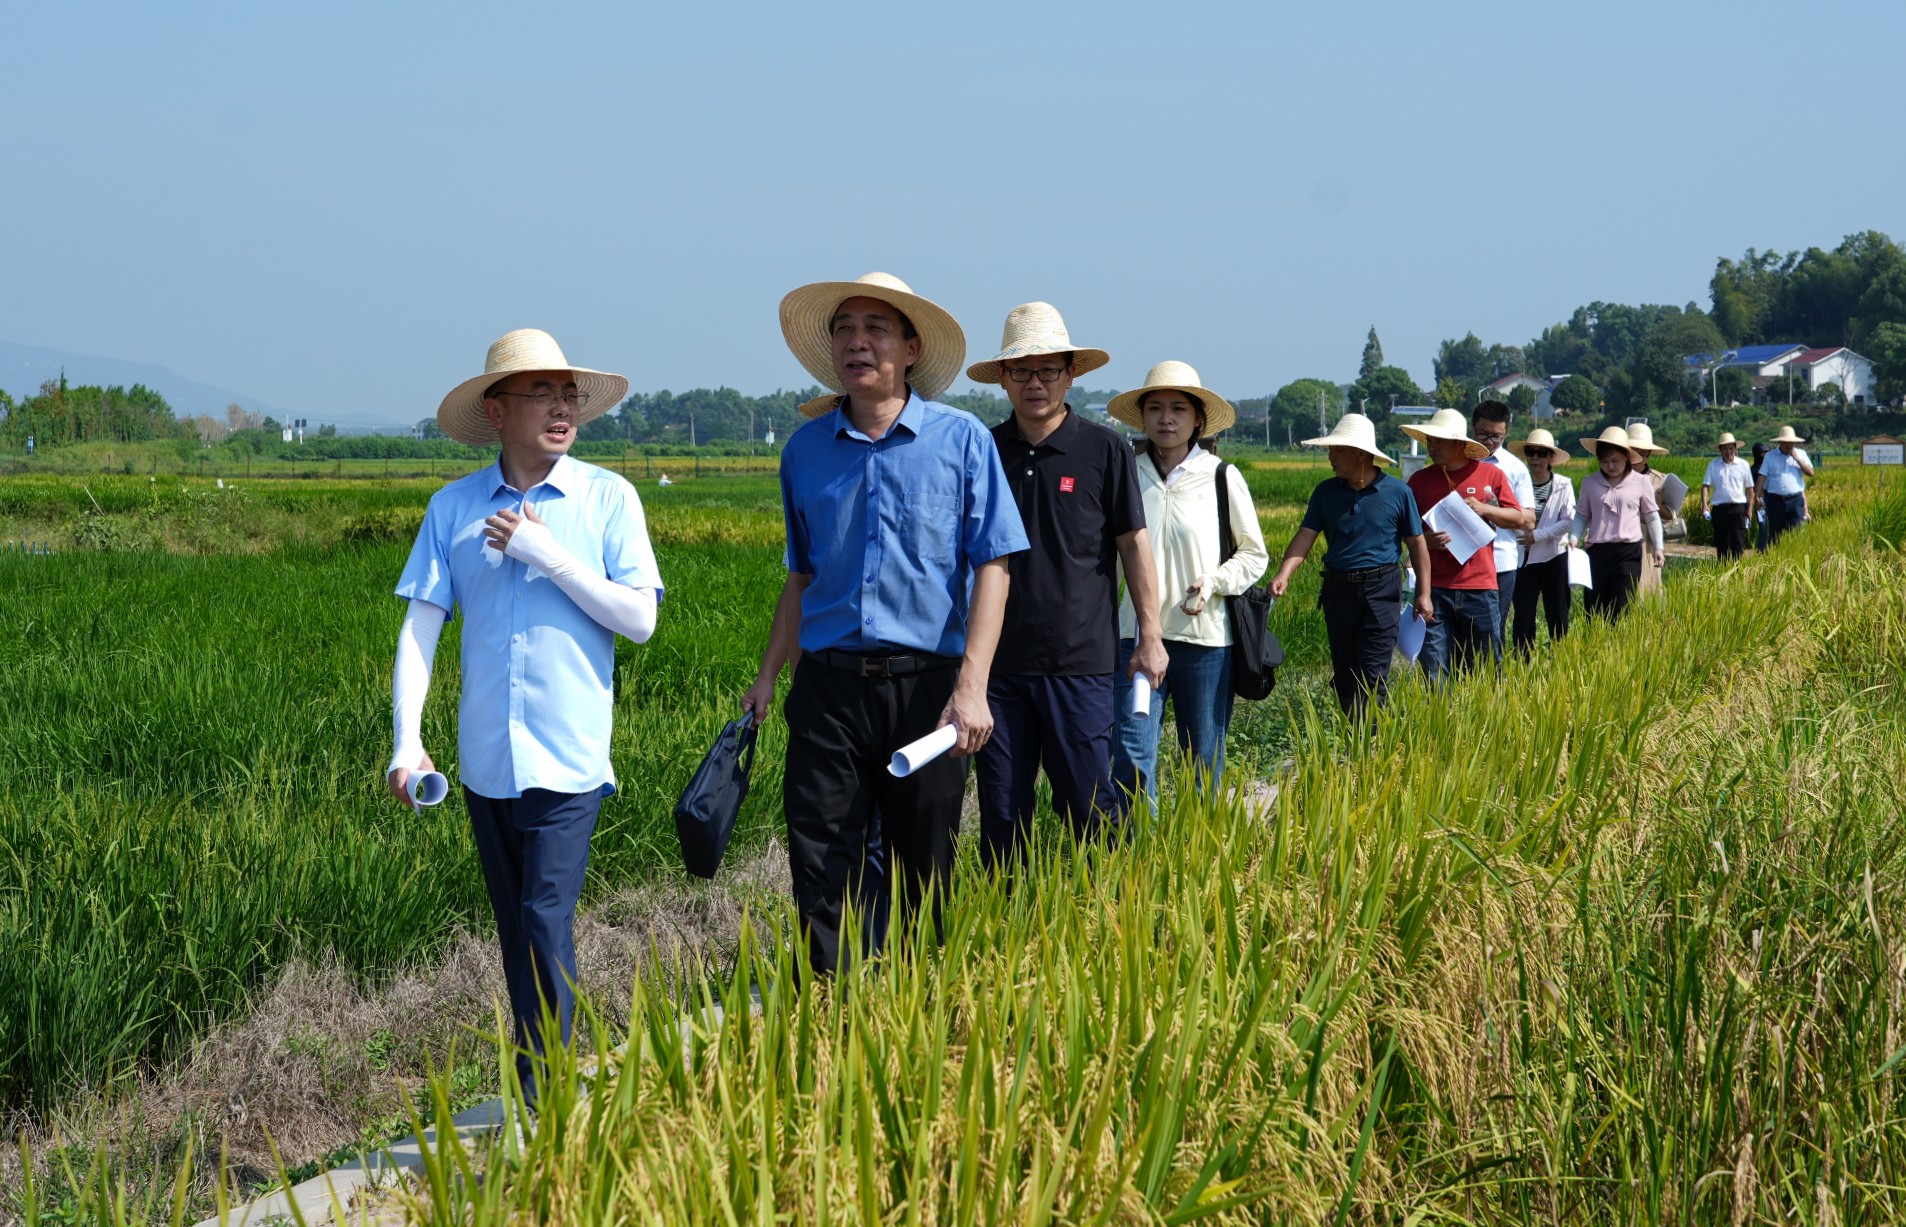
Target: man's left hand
[(1149, 658), (969, 712), (499, 528)]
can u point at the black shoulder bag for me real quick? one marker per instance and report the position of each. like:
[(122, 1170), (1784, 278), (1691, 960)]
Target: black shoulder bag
[(1255, 650)]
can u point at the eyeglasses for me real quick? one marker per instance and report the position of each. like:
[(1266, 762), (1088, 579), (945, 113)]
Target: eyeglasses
[(1047, 374), (1537, 453), (545, 399), (1495, 438)]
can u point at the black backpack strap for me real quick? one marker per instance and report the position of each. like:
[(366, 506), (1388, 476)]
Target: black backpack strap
[(1227, 544)]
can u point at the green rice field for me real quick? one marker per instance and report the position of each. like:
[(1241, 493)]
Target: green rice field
[(1616, 937)]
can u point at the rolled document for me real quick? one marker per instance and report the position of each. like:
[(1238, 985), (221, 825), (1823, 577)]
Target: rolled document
[(428, 788), (915, 755), (1141, 695)]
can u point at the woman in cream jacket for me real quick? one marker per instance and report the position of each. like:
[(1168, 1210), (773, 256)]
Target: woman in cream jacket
[(1177, 474), (1544, 573)]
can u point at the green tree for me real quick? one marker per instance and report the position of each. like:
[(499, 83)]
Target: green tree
[(1886, 346), (1883, 302), (1463, 360), (1450, 394), (1372, 355), (1387, 386), (1732, 386), (1297, 406), (1575, 395), (1521, 401)]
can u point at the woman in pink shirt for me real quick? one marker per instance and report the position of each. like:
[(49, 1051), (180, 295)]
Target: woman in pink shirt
[(1615, 512)]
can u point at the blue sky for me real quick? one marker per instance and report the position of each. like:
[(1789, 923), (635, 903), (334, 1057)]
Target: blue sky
[(336, 208)]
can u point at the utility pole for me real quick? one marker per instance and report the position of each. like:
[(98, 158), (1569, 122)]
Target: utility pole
[(1267, 421), (1321, 428)]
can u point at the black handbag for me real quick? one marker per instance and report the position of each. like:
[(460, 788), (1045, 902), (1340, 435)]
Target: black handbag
[(705, 816), (1255, 650)]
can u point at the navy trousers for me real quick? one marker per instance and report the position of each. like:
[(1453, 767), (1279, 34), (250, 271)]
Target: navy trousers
[(1360, 620), (1783, 516), (1730, 530), (1062, 723), (535, 850)]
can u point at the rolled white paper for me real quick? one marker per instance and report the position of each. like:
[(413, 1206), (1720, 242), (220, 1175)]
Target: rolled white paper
[(428, 787), (1141, 695), (915, 755)]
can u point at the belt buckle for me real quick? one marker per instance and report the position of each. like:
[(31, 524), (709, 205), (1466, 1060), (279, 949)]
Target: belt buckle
[(873, 666)]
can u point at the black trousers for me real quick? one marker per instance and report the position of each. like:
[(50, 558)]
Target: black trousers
[(1360, 619), (1730, 530), (1546, 582), (1615, 568), (842, 731), (1783, 516)]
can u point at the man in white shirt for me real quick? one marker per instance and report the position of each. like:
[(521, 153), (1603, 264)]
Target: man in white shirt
[(1782, 483), (1489, 426), (1727, 499)]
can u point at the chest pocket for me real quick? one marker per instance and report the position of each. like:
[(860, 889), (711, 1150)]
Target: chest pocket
[(932, 525)]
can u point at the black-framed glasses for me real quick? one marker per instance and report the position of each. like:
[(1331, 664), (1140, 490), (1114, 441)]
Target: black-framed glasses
[(545, 398), (1047, 374), (1495, 438), (1537, 453)]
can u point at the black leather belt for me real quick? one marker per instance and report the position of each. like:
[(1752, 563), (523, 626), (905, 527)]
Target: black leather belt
[(1357, 577), (889, 664)]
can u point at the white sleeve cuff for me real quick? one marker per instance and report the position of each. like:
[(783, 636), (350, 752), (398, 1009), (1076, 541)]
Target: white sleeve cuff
[(410, 681)]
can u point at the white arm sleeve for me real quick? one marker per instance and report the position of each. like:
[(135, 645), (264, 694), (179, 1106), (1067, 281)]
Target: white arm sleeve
[(629, 612), (410, 681), (1578, 527), (1651, 529)]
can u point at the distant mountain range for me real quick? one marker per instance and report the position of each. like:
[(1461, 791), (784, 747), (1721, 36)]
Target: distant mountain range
[(23, 368)]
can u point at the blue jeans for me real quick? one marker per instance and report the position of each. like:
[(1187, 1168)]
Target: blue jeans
[(1198, 683), (1468, 626)]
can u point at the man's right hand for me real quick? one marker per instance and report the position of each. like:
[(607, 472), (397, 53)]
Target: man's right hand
[(759, 700), (1437, 541), (399, 781)]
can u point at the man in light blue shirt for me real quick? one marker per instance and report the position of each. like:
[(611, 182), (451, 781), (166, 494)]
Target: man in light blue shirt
[(1782, 485), (899, 521), (549, 560)]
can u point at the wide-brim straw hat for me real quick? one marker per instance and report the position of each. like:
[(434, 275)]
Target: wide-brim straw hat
[(1615, 435), (1786, 435), (1727, 439), (820, 405), (1353, 430), (1033, 329), (1451, 425), (1541, 438), (526, 349), (1170, 376), (1641, 438), (807, 316)]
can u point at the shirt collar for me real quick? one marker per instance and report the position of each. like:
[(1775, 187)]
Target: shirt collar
[(563, 475), (1059, 440), (910, 417)]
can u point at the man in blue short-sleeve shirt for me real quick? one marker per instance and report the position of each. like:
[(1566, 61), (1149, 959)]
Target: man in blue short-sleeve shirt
[(548, 559), (898, 524), (1368, 519)]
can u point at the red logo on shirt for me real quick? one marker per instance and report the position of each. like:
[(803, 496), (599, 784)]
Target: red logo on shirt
[(1065, 485)]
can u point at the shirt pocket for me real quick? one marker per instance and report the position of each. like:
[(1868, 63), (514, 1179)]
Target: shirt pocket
[(932, 525)]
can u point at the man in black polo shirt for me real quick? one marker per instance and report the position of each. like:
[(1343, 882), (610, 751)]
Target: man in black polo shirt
[(1076, 484)]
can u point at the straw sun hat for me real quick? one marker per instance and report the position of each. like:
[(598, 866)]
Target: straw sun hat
[(1451, 425), (1786, 435), (808, 313), (1171, 376), (1642, 439), (526, 349), (1727, 439), (1352, 430), (1034, 329), (1615, 435), (1541, 438)]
